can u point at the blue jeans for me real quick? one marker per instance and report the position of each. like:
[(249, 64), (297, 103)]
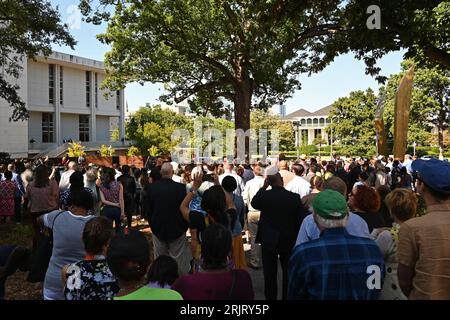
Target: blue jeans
[(113, 214)]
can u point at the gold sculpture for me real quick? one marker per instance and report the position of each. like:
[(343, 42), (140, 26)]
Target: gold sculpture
[(401, 114)]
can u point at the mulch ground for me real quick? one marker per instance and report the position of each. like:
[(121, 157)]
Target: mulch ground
[(17, 287)]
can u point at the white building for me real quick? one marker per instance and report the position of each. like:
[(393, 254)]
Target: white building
[(62, 93), (310, 124)]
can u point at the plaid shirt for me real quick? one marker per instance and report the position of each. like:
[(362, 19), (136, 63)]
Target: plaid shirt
[(336, 267)]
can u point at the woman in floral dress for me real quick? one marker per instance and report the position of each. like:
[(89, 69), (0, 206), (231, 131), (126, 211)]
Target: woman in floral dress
[(7, 190)]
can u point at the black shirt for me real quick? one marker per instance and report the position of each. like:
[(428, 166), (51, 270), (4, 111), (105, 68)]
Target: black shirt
[(282, 213), (373, 220), (162, 208)]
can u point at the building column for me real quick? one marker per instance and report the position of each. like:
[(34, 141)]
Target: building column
[(93, 115), (324, 135), (300, 140), (57, 106), (122, 116), (310, 136)]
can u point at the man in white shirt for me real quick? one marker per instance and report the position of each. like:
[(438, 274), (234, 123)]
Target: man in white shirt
[(298, 184), (228, 167), (251, 188), (65, 176)]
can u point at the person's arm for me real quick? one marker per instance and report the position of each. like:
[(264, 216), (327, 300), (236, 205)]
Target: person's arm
[(246, 194), (106, 202), (302, 235), (405, 278), (257, 201), (194, 242), (184, 206), (407, 254), (64, 275), (53, 174), (121, 202)]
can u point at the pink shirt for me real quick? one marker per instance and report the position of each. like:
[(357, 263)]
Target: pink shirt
[(215, 286)]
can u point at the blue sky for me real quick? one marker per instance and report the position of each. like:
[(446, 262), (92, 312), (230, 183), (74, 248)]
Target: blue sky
[(344, 75)]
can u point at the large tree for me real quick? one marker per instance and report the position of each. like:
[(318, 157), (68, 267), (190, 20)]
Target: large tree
[(250, 52), (353, 122), (28, 28), (208, 51)]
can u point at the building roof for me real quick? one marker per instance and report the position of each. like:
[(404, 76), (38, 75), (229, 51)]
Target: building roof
[(300, 113), (73, 61), (323, 112)]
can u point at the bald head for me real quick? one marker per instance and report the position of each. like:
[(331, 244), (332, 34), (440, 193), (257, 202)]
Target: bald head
[(166, 170), (72, 165), (336, 184)]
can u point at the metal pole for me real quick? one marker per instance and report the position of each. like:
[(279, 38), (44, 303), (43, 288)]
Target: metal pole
[(331, 139)]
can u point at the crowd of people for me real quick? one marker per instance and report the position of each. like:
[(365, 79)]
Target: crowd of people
[(349, 228)]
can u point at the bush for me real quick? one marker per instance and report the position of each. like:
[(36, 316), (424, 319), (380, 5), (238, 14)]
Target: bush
[(308, 150)]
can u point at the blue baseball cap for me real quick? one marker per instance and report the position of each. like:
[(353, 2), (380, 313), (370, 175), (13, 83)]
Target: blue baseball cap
[(434, 173)]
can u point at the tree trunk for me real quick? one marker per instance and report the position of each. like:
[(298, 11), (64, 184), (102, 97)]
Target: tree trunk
[(440, 136), (242, 109), (242, 104)]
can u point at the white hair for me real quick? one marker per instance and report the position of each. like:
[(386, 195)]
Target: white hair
[(196, 170), (331, 223)]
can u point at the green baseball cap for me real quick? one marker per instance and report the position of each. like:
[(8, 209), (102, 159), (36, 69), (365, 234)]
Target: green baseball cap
[(330, 204)]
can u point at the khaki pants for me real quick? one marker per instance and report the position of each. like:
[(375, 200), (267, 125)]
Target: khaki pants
[(255, 251), (177, 249)]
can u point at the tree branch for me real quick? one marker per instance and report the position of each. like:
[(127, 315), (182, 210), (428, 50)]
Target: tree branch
[(320, 30), (197, 88), (234, 21)]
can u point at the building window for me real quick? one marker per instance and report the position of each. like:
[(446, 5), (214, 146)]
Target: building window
[(88, 89), (51, 83), (61, 91), (318, 133), (96, 90), (84, 128), (47, 127), (118, 99)]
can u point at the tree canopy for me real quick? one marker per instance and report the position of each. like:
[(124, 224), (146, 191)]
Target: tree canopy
[(251, 52), (28, 28), (209, 51)]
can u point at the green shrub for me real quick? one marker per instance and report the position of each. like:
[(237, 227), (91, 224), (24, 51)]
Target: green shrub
[(308, 150)]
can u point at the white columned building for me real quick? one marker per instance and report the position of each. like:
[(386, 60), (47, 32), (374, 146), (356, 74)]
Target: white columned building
[(62, 93), (311, 124)]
